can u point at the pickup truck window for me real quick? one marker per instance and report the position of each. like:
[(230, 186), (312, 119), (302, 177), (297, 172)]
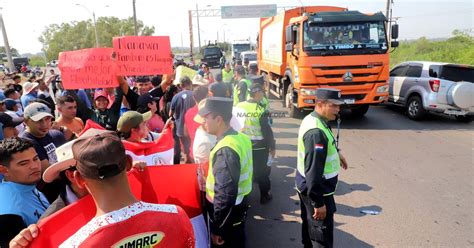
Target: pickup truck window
[(398, 71), (414, 71)]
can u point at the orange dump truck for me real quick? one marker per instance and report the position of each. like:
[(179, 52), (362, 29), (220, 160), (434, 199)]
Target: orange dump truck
[(303, 49)]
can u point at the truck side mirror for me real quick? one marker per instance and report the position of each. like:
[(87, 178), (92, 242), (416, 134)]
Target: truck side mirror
[(289, 34), (394, 31), (394, 44)]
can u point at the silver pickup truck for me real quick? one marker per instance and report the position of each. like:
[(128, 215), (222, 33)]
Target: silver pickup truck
[(424, 87)]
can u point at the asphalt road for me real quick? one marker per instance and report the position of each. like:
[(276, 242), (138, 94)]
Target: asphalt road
[(419, 175)]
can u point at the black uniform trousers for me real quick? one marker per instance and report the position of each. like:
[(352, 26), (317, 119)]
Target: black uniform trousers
[(316, 233), (233, 231), (261, 171)]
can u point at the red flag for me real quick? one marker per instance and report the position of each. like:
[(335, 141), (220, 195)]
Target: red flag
[(156, 184)]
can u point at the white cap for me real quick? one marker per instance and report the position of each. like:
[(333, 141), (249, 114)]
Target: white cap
[(65, 157), (28, 87), (36, 111)]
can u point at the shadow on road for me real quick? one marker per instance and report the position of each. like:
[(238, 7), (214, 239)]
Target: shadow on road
[(344, 239), (344, 188), (355, 212)]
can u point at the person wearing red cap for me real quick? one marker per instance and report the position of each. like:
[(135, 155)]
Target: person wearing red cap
[(121, 220)]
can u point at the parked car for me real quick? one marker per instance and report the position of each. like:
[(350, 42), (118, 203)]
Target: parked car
[(424, 87)]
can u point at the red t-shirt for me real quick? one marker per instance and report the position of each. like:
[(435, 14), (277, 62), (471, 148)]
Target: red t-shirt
[(191, 125), (138, 225)]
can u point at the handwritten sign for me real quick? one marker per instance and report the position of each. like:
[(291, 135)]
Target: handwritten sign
[(182, 71), (143, 55), (88, 68)]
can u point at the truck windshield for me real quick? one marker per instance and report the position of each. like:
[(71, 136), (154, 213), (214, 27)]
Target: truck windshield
[(210, 51), (241, 47), (345, 38)]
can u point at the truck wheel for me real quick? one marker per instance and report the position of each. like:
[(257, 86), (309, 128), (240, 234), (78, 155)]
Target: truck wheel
[(415, 110), (360, 111), (464, 118), (294, 112)]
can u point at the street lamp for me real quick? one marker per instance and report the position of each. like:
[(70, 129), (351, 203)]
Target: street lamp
[(135, 18), (95, 24)]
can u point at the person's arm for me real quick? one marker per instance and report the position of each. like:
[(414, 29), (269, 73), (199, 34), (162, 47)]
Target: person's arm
[(10, 226), (83, 96), (267, 131), (315, 145), (115, 108), (242, 91), (226, 169)]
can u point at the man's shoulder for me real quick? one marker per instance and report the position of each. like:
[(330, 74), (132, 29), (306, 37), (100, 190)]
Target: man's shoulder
[(9, 197)]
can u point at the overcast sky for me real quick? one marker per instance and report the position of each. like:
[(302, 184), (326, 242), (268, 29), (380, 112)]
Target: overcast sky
[(26, 19)]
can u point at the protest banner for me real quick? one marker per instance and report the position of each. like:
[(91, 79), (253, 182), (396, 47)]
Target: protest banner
[(182, 71), (143, 55), (88, 68)]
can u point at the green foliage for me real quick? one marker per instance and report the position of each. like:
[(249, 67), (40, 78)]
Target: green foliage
[(79, 35), (12, 50), (37, 61), (458, 49)]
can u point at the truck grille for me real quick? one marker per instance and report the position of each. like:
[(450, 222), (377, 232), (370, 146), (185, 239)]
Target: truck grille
[(354, 96)]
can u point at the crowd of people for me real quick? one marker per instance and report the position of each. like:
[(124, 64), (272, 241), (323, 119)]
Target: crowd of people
[(50, 157)]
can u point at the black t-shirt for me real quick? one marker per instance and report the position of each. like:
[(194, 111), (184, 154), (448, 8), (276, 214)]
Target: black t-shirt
[(46, 146)]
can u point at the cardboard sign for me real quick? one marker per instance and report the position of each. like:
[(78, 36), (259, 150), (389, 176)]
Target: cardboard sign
[(182, 71), (88, 68), (143, 55)]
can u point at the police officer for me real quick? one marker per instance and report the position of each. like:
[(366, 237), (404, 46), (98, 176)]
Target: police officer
[(257, 127), (242, 85), (229, 180), (318, 165), (227, 73)]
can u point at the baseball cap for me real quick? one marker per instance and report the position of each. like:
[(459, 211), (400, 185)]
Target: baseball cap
[(255, 88), (257, 79), (10, 103), (65, 156), (145, 99), (37, 111), (220, 105), (91, 156), (331, 95), (99, 93), (9, 121), (131, 119), (28, 87)]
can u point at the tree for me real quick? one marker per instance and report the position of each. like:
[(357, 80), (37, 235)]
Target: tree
[(79, 35), (12, 50)]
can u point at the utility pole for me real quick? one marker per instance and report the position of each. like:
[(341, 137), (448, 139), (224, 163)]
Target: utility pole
[(190, 14), (199, 29), (135, 18), (11, 66), (95, 30), (389, 19)]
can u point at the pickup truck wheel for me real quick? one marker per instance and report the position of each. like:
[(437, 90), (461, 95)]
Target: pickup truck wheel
[(464, 118), (415, 110), (360, 110)]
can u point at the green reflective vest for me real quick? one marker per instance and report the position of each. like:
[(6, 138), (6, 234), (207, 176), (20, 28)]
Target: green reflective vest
[(252, 127), (237, 90), (242, 145), (332, 164), (227, 76)]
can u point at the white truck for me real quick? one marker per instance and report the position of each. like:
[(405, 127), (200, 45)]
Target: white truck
[(239, 46)]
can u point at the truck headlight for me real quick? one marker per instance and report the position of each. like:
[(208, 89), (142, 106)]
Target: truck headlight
[(308, 92), (382, 89)]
